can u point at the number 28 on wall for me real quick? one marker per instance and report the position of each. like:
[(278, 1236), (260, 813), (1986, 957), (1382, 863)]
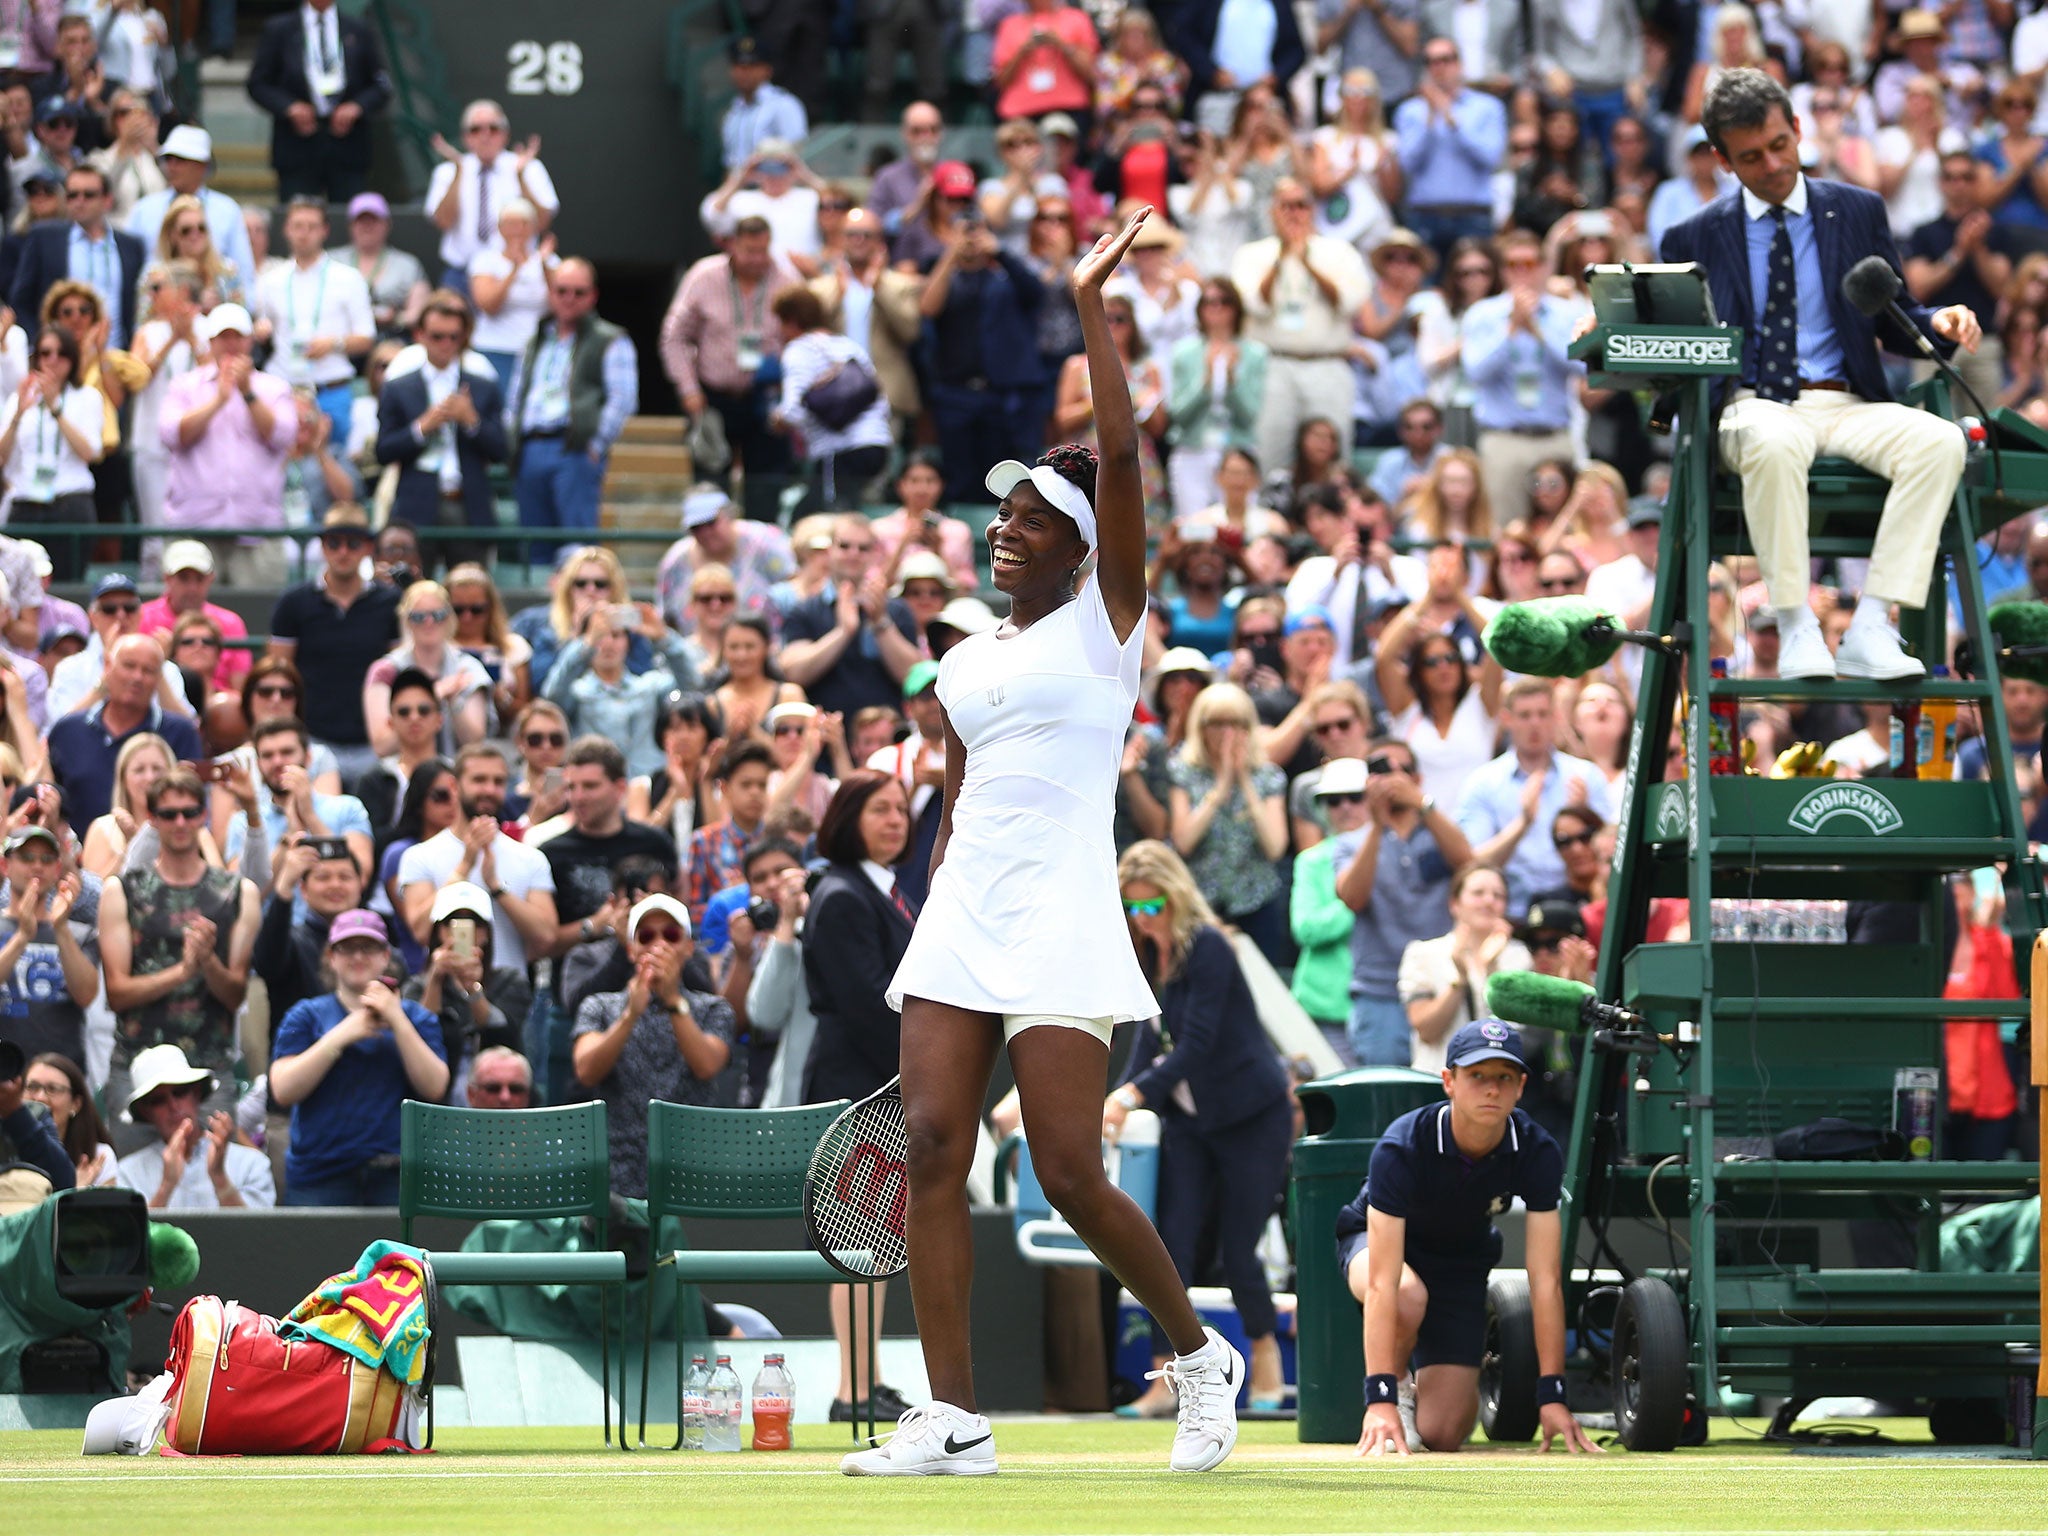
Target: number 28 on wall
[(543, 69)]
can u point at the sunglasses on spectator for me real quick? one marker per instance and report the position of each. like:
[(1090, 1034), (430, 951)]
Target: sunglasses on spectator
[(1570, 840), (1557, 583), (564, 291), (111, 610), (1443, 659), (1332, 727), (1481, 270), (1389, 765), (276, 691), (74, 311), (79, 194), (1345, 799), (182, 230), (593, 583), (197, 640), (483, 128), (716, 597), (1543, 943), (442, 336), (1152, 906), (546, 739), (177, 813), (471, 610), (414, 711), (835, 205), (500, 1090), (345, 538), (668, 933), (441, 796), (1051, 216), (786, 729), (1292, 202), (427, 616)]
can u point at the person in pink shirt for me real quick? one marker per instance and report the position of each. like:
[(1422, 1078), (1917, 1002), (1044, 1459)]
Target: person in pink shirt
[(188, 578), (229, 428), (1045, 62), (919, 521)]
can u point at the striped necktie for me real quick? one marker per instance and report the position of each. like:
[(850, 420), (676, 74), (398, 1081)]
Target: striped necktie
[(901, 903)]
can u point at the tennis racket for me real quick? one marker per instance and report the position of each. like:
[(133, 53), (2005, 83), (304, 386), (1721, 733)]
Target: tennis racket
[(856, 1191)]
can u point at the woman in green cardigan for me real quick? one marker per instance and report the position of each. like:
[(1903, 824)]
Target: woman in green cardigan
[(1216, 382)]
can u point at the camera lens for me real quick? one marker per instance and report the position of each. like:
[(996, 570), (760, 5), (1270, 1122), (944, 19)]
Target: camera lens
[(13, 1064), (764, 914)]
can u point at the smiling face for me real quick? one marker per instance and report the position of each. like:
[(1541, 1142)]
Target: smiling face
[(1034, 550), (1482, 900), (744, 653), (357, 961), (885, 823)]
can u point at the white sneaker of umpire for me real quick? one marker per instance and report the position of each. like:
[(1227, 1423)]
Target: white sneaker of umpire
[(1207, 1383), (1405, 1405), (938, 1441)]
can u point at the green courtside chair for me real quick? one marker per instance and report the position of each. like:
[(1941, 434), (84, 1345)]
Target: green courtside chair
[(734, 1163), (500, 1164)]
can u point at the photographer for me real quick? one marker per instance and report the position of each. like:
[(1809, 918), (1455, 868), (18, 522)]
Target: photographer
[(477, 1004), (986, 387), (292, 938), (753, 915)]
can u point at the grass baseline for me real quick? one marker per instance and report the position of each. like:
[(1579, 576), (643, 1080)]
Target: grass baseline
[(1059, 1479)]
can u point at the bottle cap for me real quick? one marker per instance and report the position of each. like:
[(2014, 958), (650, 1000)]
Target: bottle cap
[(725, 1359)]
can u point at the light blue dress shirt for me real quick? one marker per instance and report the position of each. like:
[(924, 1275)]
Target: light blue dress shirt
[(1451, 164), (97, 264), (1519, 380), (1492, 798), (1820, 351), (772, 114)]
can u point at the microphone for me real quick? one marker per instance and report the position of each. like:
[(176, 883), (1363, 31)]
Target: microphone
[(1552, 1002), (1557, 636), (2021, 630), (1872, 286)]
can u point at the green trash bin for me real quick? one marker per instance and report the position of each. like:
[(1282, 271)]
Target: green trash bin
[(1343, 1117)]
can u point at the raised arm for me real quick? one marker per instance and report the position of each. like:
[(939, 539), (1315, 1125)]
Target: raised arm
[(1119, 489)]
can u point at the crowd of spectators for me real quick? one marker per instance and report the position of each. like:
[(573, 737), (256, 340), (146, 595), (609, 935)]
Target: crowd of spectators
[(426, 847)]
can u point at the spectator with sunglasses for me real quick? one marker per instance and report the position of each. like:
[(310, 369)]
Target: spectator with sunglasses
[(116, 614), (679, 796), (482, 633), (1442, 707), (428, 809), (416, 726), (1319, 918), (541, 735), (654, 1040)]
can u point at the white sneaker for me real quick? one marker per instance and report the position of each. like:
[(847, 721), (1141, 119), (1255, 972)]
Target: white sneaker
[(1405, 1403), (1873, 651), (938, 1441), (1207, 1388), (1805, 655)]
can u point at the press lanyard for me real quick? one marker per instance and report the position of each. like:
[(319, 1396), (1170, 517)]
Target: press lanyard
[(291, 302)]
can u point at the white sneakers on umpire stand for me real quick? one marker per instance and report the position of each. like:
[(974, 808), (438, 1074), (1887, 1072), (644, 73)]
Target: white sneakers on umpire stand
[(942, 1441)]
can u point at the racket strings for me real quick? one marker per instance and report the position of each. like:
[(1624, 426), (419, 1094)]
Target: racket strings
[(858, 1192)]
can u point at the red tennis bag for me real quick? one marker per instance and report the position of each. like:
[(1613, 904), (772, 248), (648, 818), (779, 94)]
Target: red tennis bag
[(239, 1389)]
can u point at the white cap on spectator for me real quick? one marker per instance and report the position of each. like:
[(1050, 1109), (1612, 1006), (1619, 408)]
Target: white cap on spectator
[(459, 896), (1342, 776), (38, 556), (647, 906), (187, 555), (790, 711), (703, 505), (969, 615), (923, 565), (225, 318), (185, 142)]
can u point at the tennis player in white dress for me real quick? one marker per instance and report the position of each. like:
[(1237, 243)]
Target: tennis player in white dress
[(1022, 938)]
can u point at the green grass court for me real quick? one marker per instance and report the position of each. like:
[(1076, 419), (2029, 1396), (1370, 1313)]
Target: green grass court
[(1058, 1478)]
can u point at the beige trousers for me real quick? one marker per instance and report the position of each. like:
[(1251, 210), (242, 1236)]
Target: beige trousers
[(1772, 445), (1299, 389), (1507, 459)]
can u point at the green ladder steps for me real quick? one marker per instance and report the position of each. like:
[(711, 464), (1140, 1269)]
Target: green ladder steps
[(1924, 1335), (1852, 1292), (1847, 689), (1890, 823)]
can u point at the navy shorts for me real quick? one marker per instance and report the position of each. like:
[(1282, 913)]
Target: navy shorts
[(1453, 1328)]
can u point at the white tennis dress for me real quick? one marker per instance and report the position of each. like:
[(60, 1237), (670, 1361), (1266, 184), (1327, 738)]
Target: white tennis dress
[(1024, 915)]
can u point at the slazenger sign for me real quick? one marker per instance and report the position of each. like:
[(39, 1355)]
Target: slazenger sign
[(1857, 801), (1625, 347)]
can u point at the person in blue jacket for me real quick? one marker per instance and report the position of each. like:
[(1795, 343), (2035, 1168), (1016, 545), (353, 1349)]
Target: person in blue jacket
[(1418, 1243), (1226, 1116)]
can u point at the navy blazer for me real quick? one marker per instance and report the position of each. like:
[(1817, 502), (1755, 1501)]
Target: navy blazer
[(1849, 224), (46, 259), (1219, 1049), (1191, 32), (1007, 315), (418, 499), (854, 939), (277, 79)]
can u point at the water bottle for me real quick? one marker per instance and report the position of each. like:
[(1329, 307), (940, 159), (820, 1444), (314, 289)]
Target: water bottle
[(693, 1403), (722, 1408), (774, 1404)]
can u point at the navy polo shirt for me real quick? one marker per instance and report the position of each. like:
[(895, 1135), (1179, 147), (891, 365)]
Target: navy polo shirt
[(1448, 1199), (336, 646), (83, 750)]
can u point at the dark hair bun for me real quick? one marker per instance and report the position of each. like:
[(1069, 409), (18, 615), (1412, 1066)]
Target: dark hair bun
[(1074, 464)]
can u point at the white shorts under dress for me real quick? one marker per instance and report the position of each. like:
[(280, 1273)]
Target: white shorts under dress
[(1024, 916)]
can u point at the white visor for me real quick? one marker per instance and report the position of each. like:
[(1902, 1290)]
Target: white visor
[(1059, 492)]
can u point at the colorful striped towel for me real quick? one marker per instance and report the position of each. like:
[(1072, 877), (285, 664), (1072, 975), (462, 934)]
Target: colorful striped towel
[(376, 1312)]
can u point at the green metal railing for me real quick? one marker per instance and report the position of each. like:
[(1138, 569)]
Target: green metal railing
[(698, 31)]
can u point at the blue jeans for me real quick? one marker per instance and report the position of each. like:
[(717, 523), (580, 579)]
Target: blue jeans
[(1380, 1036), (1597, 113), (547, 1048), (502, 364), (456, 278), (337, 403), (556, 488), (367, 1185), (1441, 231)]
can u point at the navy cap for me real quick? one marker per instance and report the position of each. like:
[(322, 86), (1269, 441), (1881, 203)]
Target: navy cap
[(113, 581), (1485, 1040), (746, 50), (57, 109)]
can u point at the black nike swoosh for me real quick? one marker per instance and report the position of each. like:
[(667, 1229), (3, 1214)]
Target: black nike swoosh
[(1229, 1370), (955, 1447)]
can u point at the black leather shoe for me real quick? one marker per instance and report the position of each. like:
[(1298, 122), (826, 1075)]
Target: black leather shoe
[(890, 1406)]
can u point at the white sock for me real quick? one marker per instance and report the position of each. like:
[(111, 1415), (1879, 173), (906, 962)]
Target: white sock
[(958, 1413), (1872, 610), (1792, 620), (1206, 1352)]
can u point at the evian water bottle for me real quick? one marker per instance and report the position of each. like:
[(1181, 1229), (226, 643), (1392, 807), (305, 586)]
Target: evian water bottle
[(774, 1404)]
